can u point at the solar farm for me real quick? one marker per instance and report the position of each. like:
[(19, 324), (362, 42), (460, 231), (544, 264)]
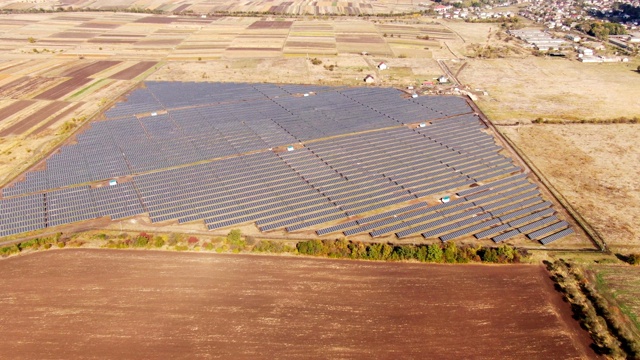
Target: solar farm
[(323, 160)]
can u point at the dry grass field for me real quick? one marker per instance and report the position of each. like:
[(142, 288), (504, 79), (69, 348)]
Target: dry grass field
[(523, 89), (189, 305), (595, 168)]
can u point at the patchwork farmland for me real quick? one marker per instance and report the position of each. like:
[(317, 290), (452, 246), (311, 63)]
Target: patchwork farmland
[(291, 158), (295, 7)]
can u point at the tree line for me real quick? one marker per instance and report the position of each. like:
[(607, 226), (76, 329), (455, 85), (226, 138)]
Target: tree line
[(448, 252)]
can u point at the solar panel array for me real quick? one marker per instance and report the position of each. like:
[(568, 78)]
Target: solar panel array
[(202, 152), (68, 205)]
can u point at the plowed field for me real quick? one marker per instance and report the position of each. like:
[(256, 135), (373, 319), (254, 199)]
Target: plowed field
[(35, 118), (133, 71), (141, 304)]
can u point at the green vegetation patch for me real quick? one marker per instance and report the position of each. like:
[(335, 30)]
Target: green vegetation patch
[(89, 88)]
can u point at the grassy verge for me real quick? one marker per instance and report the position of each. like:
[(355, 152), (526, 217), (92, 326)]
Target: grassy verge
[(93, 87), (595, 314)]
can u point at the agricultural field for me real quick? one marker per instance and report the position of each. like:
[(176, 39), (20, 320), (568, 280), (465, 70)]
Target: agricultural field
[(134, 302), (360, 7)]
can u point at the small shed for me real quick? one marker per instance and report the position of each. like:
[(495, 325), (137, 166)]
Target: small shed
[(445, 199), (443, 79), (113, 182), (382, 66), (369, 79), (290, 148)]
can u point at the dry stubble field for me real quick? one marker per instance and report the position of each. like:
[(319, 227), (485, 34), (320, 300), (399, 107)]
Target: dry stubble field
[(595, 168), (113, 304), (523, 89)]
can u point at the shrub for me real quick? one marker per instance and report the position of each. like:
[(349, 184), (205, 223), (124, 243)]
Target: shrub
[(489, 255), (450, 252), (634, 259), (311, 247), (9, 250), (192, 241), (158, 241), (505, 253), (316, 61), (142, 240), (250, 240), (434, 253), (234, 237), (173, 239), (208, 246)]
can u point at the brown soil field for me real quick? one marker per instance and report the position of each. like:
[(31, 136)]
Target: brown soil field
[(25, 86), (86, 70), (270, 25), (53, 120), (126, 304), (62, 89), (156, 20), (74, 35), (34, 119), (595, 167), (97, 25), (133, 71), (112, 41), (17, 106), (181, 8)]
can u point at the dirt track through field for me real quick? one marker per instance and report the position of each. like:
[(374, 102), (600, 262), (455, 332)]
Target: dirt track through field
[(132, 304)]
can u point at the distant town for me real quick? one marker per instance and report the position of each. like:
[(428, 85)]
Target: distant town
[(597, 31)]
